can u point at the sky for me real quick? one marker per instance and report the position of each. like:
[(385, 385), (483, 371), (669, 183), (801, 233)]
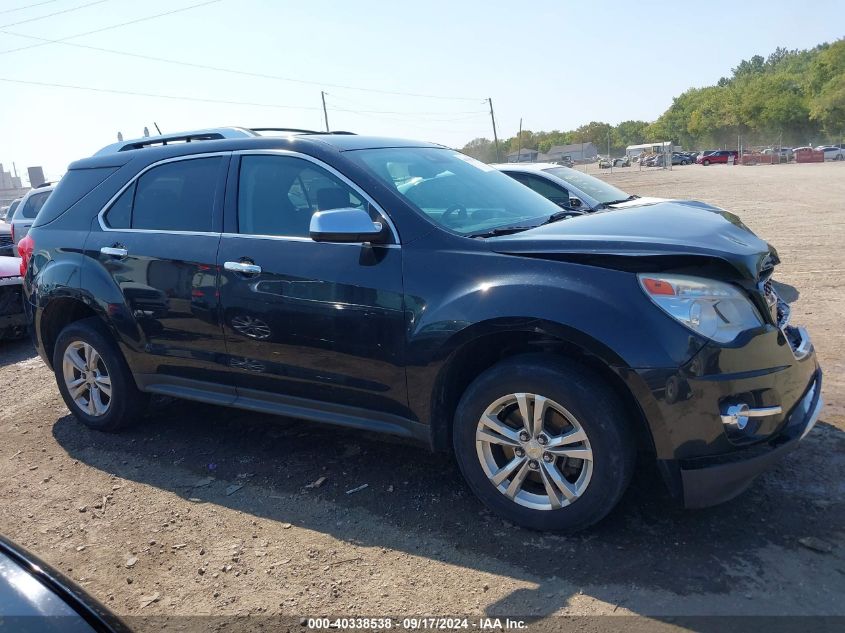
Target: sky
[(555, 64)]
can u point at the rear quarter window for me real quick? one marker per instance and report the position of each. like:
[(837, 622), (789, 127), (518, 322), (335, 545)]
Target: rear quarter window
[(74, 185)]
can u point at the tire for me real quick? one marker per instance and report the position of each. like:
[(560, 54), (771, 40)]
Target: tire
[(112, 409), (705, 162), (577, 401)]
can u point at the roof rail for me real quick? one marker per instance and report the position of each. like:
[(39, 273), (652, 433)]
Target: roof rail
[(294, 130), (210, 134)]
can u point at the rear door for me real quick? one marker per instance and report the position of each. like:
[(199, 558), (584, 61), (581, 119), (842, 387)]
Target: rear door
[(157, 241), (308, 324)]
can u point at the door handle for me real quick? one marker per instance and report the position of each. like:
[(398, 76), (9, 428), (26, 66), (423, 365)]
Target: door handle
[(114, 251), (242, 267)]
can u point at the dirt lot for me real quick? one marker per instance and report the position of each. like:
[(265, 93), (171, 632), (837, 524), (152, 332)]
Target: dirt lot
[(207, 511)]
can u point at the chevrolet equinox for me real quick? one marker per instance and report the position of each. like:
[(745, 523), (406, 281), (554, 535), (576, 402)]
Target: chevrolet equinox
[(403, 287)]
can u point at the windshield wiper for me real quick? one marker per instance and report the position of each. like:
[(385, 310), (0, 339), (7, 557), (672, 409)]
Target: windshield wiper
[(628, 199), (501, 230), (562, 215)]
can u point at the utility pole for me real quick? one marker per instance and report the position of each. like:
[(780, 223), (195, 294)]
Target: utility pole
[(325, 113), (519, 142), (495, 136), (608, 152)]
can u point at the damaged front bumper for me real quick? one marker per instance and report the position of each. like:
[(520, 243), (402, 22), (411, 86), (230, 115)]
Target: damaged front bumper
[(11, 303), (707, 481)]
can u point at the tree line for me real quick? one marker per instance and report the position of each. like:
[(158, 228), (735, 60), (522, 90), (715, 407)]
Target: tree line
[(790, 98)]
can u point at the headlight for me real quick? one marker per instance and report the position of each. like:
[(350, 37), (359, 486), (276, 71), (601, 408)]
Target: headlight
[(711, 308)]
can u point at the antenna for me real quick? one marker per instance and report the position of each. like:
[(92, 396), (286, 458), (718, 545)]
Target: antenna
[(146, 131), (120, 137), (157, 128)]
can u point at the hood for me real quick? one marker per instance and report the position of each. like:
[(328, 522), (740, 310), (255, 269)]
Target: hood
[(10, 267), (656, 230)]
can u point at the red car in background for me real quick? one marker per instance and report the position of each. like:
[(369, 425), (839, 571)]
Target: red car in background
[(719, 156)]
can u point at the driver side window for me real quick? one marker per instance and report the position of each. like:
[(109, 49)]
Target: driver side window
[(277, 195)]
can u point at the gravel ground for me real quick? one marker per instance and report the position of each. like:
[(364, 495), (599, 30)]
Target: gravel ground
[(209, 511)]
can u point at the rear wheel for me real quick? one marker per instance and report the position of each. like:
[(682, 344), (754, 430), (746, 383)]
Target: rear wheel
[(544, 444), (93, 377)]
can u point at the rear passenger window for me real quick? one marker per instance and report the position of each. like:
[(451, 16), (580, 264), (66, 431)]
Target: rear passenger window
[(177, 196)]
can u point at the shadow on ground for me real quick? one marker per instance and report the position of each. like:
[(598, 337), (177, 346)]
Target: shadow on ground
[(647, 542), (12, 352)]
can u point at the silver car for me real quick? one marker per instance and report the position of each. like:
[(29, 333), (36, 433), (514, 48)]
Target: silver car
[(26, 212)]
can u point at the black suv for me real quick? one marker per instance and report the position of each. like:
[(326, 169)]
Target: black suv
[(404, 287)]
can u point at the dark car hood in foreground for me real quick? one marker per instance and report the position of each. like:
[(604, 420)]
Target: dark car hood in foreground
[(657, 230)]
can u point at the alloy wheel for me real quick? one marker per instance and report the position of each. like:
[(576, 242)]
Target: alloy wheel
[(87, 378), (534, 451)]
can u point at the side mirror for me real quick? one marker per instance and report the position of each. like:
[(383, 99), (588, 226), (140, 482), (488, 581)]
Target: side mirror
[(345, 225), (575, 203)]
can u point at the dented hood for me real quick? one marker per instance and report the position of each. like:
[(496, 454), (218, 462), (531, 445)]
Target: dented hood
[(657, 230)]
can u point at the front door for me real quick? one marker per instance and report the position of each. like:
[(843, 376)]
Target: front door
[(308, 324), (158, 242)]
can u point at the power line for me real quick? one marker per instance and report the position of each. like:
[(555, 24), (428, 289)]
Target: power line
[(50, 15), (233, 71), (156, 96), (100, 30), (28, 6)]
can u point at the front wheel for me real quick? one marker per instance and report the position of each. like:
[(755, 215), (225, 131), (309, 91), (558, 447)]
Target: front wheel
[(544, 444), (705, 162), (93, 377)]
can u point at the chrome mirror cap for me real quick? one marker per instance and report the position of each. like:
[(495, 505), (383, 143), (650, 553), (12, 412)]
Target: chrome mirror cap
[(345, 225)]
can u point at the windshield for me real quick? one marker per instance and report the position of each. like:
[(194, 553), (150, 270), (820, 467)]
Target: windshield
[(456, 191), (597, 189)]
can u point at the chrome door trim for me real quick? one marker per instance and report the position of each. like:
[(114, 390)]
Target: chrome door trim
[(174, 159), (334, 172), (298, 238)]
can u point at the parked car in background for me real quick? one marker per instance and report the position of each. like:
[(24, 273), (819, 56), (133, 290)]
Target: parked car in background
[(35, 597), (27, 211), (572, 189), (832, 152), (565, 161), (606, 163), (717, 157), (12, 318), (425, 294), (10, 211), (784, 154), (6, 242)]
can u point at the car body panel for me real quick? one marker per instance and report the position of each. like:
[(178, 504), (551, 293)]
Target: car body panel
[(657, 229), (35, 597)]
